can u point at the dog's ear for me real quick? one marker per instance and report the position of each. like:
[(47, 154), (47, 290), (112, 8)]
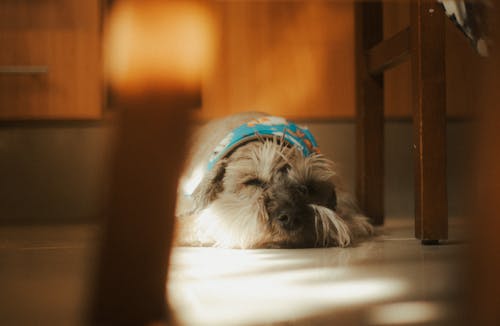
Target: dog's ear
[(210, 186)]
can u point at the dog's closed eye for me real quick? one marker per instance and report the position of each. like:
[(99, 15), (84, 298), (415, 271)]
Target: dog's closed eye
[(285, 168), (256, 182)]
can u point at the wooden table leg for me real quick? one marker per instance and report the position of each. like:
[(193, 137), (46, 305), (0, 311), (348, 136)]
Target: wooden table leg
[(132, 267), (156, 88), (429, 116), (369, 114)]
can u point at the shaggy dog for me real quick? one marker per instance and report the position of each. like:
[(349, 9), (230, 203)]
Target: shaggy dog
[(270, 189)]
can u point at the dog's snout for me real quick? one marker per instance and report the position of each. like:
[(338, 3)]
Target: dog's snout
[(288, 221)]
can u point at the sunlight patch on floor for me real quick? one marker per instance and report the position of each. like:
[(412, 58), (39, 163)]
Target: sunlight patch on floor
[(211, 286), (243, 287)]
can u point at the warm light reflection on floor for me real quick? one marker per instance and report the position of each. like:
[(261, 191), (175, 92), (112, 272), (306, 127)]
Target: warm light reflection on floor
[(214, 286), (369, 284), (408, 313)]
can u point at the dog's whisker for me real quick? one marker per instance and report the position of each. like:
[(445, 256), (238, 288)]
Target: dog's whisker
[(282, 140), (339, 233), (260, 138), (319, 229)]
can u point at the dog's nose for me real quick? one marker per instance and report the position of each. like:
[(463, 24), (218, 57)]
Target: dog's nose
[(288, 221)]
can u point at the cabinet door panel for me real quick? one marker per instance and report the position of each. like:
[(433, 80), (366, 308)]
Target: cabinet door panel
[(50, 60), (291, 58)]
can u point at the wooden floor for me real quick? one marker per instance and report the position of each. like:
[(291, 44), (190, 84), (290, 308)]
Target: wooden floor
[(44, 273), (45, 276)]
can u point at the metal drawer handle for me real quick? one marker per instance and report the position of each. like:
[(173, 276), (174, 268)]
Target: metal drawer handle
[(24, 70)]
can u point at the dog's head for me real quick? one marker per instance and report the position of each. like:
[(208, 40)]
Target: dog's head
[(269, 195)]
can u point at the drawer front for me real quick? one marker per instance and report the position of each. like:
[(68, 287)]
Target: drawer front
[(50, 59)]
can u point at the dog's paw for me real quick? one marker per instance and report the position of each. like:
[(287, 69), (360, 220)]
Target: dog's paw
[(361, 226)]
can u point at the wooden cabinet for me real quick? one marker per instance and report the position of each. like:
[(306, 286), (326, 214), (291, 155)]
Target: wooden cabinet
[(292, 58), (50, 59), (296, 58)]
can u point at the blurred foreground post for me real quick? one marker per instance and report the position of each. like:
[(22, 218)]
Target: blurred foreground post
[(484, 282), (155, 53)]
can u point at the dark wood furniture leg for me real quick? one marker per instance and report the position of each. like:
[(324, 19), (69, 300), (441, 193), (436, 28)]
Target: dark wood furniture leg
[(429, 116), (369, 113), (131, 271)]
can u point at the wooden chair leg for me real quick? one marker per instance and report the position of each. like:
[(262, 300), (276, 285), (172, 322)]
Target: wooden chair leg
[(429, 116), (131, 272), (369, 114)]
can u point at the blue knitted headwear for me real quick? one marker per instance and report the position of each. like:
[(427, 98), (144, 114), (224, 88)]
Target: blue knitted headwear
[(265, 127)]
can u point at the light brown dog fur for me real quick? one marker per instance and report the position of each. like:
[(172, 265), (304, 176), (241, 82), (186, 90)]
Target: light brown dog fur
[(265, 194)]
